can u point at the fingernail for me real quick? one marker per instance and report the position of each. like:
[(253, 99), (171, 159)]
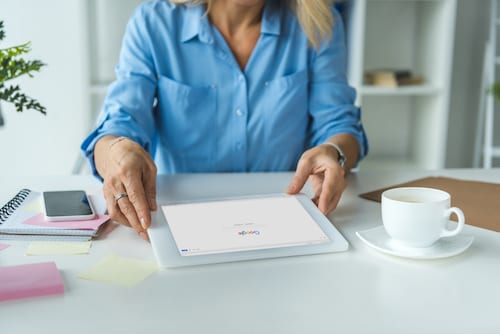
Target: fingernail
[(144, 236), (152, 204), (143, 224)]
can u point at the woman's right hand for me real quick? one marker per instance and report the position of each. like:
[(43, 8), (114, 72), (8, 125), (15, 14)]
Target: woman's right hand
[(127, 169)]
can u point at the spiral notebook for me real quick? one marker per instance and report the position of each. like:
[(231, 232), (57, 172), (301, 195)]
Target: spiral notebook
[(22, 218)]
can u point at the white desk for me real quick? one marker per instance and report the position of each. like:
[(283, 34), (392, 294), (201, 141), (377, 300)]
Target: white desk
[(358, 291)]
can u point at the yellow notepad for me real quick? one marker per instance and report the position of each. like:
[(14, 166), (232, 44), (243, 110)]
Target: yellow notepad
[(120, 271), (58, 248)]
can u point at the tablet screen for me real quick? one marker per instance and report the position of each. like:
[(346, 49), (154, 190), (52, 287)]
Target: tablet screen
[(241, 225)]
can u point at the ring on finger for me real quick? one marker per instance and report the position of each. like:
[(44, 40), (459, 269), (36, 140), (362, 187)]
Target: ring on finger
[(120, 195)]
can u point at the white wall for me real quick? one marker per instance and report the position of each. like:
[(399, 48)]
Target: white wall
[(31, 143)]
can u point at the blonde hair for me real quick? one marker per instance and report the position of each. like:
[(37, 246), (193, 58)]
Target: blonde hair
[(314, 17)]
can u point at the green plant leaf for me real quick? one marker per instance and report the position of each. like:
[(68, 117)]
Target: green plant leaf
[(12, 66), (2, 32), (13, 94), (495, 89)]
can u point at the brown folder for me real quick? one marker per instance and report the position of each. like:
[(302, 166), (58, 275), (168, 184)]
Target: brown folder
[(480, 201)]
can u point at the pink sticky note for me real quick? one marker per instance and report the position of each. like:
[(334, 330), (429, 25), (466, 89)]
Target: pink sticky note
[(92, 224), (3, 246), (30, 280)]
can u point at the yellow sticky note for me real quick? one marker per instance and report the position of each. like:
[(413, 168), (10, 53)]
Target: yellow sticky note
[(120, 271), (34, 206), (58, 248)]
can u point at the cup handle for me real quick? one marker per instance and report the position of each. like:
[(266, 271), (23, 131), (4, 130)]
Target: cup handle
[(460, 225)]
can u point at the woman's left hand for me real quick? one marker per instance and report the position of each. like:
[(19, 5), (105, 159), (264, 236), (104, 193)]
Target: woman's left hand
[(327, 176)]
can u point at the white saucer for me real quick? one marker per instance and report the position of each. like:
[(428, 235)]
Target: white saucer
[(445, 247)]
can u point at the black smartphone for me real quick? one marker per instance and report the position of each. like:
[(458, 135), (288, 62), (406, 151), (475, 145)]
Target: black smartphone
[(67, 205)]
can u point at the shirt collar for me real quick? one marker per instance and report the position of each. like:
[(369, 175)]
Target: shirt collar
[(196, 22), (271, 18)]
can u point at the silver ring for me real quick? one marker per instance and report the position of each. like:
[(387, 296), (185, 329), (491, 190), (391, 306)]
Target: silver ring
[(120, 195)]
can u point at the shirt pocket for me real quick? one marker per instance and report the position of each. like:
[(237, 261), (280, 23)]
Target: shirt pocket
[(294, 80), (289, 93), (286, 110), (187, 119)]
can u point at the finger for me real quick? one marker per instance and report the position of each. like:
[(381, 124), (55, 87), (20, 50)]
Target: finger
[(317, 183), (137, 199), (150, 187), (328, 192), (113, 211), (333, 187), (332, 204), (301, 175), (128, 211), (131, 218), (124, 205)]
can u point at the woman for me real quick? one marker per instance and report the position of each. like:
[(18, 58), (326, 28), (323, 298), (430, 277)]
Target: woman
[(227, 86)]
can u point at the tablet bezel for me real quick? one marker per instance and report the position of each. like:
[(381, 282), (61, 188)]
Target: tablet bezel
[(167, 255)]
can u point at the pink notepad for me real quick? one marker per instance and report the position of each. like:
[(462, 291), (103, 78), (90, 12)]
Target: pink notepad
[(30, 280)]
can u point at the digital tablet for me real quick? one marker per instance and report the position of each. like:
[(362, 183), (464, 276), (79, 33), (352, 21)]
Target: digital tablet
[(241, 228)]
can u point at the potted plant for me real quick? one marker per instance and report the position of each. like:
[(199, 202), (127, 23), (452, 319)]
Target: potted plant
[(12, 66), (495, 89)]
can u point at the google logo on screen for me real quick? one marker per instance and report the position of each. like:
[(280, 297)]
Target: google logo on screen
[(249, 232)]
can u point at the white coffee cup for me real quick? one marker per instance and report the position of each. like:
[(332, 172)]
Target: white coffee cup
[(417, 216)]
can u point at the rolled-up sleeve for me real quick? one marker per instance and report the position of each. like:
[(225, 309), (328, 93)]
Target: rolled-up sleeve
[(332, 101), (128, 107)]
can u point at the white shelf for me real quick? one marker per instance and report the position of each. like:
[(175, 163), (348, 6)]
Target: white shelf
[(423, 90), (99, 89), (390, 163), (406, 126), (495, 151)]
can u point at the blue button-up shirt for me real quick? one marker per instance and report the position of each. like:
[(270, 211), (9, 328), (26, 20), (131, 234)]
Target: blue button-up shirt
[(181, 94)]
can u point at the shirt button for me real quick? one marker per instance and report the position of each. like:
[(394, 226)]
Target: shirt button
[(241, 78), (238, 112), (239, 146)]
